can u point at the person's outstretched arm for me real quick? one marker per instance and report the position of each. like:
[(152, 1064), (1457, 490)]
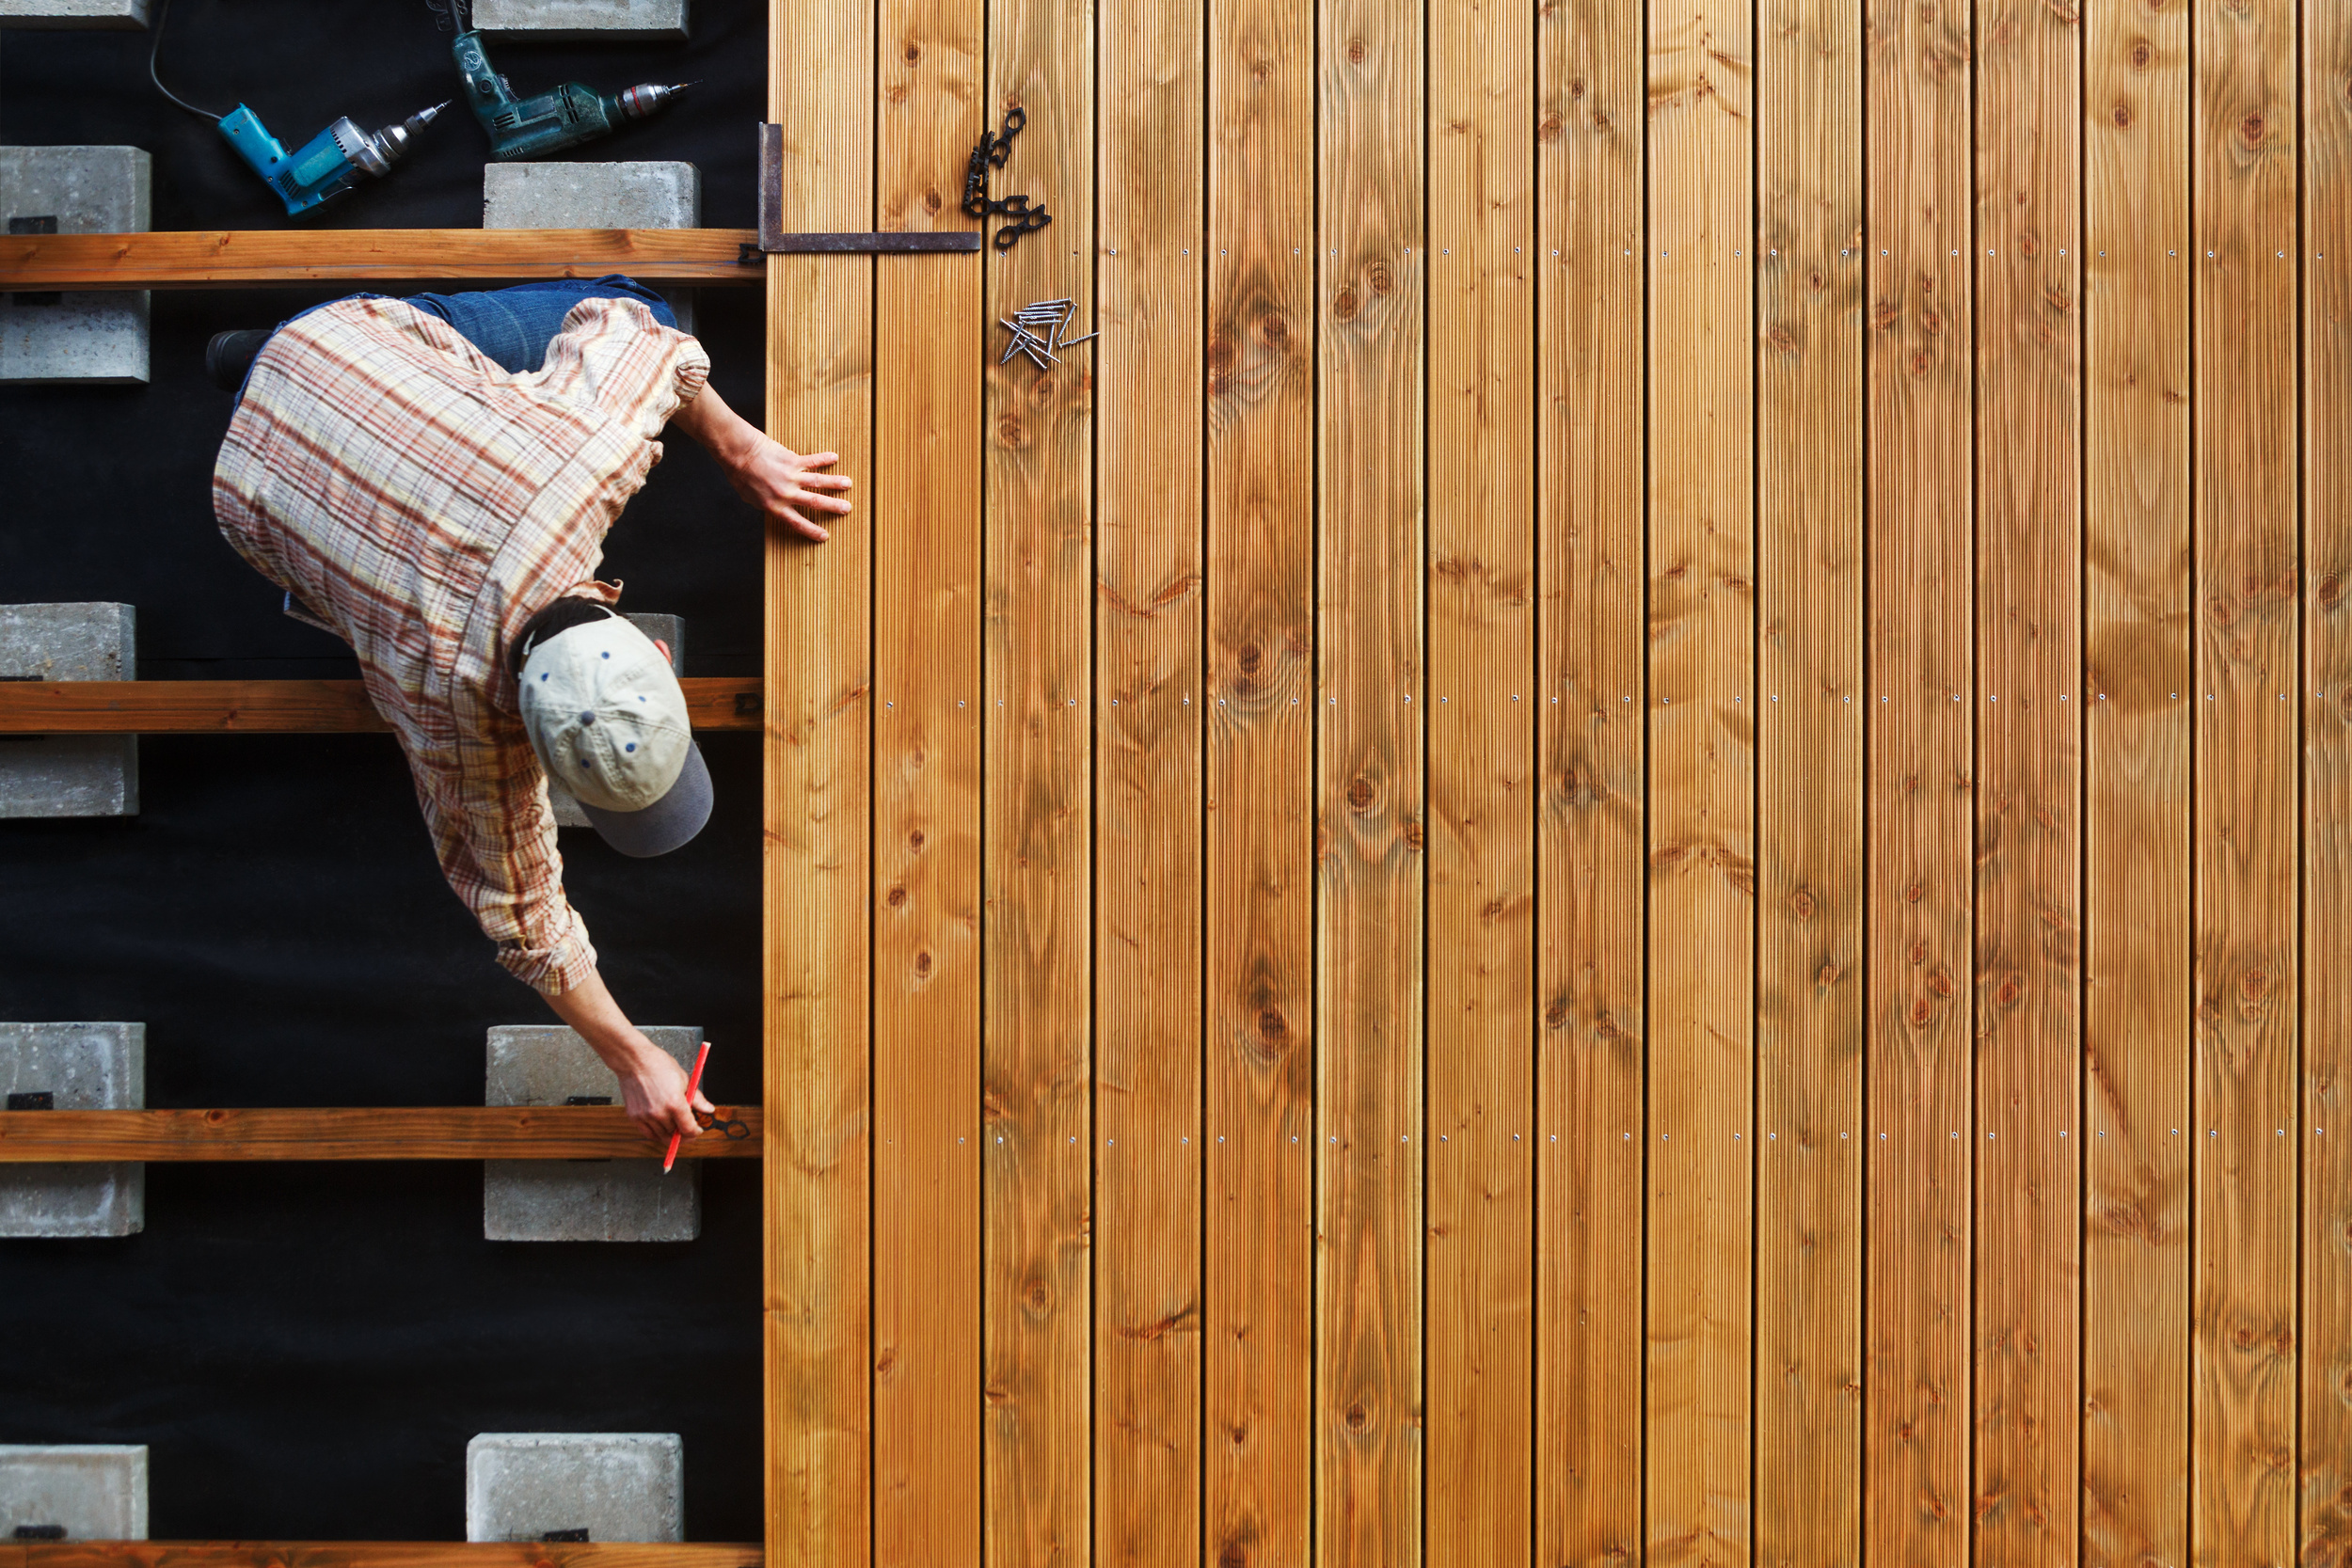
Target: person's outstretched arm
[(769, 475), (653, 1086)]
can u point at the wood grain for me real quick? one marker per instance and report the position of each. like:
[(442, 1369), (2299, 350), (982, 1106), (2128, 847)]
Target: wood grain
[(2244, 251), (1809, 726), (274, 707), (2326, 1242), (1258, 1271), (2028, 625), (1481, 734), (930, 1125), (817, 821), (1702, 781), (388, 1133), (241, 258), (1919, 785), (1371, 803), (1591, 852), (1149, 799), (1037, 617), (376, 1554), (2135, 996)]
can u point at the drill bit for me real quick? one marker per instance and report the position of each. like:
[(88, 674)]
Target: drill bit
[(639, 101)]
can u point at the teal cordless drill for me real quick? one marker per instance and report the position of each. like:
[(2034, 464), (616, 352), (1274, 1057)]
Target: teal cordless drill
[(328, 163), (549, 121)]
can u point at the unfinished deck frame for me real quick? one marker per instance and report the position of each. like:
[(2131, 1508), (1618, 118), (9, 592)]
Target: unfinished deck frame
[(1634, 672)]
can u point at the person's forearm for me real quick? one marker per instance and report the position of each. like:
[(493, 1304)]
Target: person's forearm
[(719, 430), (593, 1014)]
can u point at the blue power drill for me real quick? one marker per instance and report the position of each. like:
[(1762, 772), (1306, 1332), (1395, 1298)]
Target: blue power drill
[(328, 163), (549, 121)]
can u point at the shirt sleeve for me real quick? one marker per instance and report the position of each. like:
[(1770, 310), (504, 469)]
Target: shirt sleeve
[(485, 805), (612, 353)]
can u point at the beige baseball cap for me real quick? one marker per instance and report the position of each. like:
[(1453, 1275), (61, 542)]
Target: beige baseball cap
[(608, 719)]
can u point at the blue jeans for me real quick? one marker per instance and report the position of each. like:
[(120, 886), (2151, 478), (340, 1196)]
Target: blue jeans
[(513, 326)]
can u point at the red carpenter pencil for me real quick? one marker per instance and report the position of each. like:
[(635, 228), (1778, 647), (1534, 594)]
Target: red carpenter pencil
[(693, 1086)]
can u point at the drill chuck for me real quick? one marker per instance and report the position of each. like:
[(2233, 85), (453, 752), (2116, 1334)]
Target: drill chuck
[(380, 153), (639, 101)]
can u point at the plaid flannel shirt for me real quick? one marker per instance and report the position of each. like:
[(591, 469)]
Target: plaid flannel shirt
[(422, 503)]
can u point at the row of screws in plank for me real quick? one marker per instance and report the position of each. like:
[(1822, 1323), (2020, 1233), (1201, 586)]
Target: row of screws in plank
[(1664, 1137), (1662, 701), (1447, 250)]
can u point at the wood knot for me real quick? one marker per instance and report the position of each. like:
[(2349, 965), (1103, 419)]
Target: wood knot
[(2141, 55), (2009, 993), (1828, 977), (1357, 52), (1780, 339), (1940, 982), (1036, 1297), (1576, 87), (1273, 330), (2250, 131), (2121, 115), (1413, 835), (914, 840), (1008, 432), (2330, 591), (931, 202), (1556, 1013), (1359, 794), (1383, 281), (1914, 891), (1802, 904), (1273, 1027), (1357, 1417), (1550, 127), (896, 897), (1918, 954), (1251, 659), (1344, 307), (922, 966)]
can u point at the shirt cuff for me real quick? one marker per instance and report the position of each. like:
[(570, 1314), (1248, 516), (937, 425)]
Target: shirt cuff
[(553, 971)]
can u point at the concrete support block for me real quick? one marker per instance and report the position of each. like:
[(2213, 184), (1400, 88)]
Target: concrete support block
[(583, 18), (68, 775), (82, 1492), (116, 15), (597, 195), (80, 1067), (94, 336), (662, 629), (614, 1485), (580, 1200)]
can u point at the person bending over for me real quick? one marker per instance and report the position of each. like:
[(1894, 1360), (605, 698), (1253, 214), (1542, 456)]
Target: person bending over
[(431, 480)]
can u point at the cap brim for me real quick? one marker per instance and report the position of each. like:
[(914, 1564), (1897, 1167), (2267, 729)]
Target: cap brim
[(657, 829)]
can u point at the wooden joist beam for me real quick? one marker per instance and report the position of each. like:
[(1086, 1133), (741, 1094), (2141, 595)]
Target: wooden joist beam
[(270, 707), (435, 1133), (376, 1554), (234, 257)]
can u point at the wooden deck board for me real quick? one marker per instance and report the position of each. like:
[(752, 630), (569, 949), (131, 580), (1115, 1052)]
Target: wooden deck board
[(1809, 726), (1148, 724), (2326, 1091), (2029, 779), (386, 1133), (1258, 1269), (1370, 800), (1919, 786), (1591, 852), (817, 857), (275, 706), (2136, 896), (1481, 606), (1702, 783), (1037, 623), (2244, 251), (244, 259), (925, 901)]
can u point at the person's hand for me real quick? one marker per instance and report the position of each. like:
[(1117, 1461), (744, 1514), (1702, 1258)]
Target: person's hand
[(788, 487), (654, 1092)]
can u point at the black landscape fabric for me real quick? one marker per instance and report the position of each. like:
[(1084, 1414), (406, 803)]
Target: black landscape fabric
[(306, 1349)]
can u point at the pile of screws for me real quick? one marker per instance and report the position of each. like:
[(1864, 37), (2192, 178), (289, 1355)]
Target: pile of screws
[(990, 152), (1037, 331)]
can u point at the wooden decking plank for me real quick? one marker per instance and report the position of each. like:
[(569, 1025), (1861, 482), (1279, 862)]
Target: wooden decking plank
[(2326, 1242), (926, 906), (2245, 251), (1037, 611), (1809, 726), (2028, 980), (1591, 851), (1702, 781), (2136, 930), (1478, 1438), (1918, 784), (1371, 800), (1150, 787), (1261, 320), (364, 1133), (817, 817), (244, 259), (275, 706)]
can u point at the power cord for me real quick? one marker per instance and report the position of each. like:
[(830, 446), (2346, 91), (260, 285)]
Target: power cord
[(162, 9)]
